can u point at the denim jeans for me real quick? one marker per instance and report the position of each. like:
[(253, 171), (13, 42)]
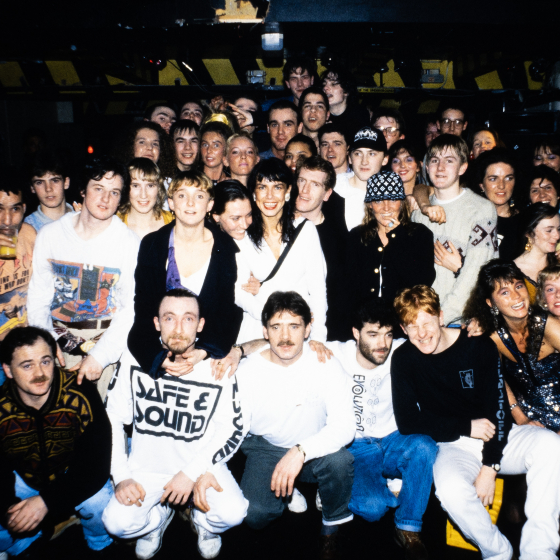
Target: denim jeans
[(88, 511), (332, 472), (394, 456)]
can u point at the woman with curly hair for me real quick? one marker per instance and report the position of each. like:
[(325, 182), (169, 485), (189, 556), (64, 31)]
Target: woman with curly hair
[(147, 139), (142, 206), (527, 339)]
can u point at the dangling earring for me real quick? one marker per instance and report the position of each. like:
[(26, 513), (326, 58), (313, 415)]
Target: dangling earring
[(288, 197), (494, 310), (528, 245), (254, 197)]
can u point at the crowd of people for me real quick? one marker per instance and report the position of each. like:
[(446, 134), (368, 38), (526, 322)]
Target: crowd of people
[(297, 281)]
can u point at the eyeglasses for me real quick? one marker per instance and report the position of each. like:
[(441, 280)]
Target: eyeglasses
[(388, 130), (452, 122)]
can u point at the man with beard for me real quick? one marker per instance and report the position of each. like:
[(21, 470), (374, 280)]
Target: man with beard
[(382, 455), (184, 430), (299, 414)]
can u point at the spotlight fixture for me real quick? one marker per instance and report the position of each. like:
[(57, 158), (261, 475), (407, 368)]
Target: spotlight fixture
[(272, 37)]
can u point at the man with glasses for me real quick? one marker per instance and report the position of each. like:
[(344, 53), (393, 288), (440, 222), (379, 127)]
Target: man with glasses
[(452, 120), (391, 123)]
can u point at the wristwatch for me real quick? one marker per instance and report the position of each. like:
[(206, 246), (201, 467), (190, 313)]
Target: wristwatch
[(242, 351), (300, 448), (497, 467)]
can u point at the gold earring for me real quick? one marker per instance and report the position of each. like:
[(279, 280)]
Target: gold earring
[(528, 245)]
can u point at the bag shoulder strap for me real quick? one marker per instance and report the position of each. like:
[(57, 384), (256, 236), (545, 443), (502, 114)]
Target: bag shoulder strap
[(285, 252)]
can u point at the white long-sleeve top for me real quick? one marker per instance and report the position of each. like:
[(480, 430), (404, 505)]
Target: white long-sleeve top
[(354, 207), (304, 271), (370, 390), (306, 403), (187, 423), (78, 280)]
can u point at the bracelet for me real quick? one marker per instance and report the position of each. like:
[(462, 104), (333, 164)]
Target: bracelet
[(513, 406)]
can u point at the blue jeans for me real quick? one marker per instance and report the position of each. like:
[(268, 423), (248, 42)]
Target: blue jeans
[(394, 456), (89, 512)]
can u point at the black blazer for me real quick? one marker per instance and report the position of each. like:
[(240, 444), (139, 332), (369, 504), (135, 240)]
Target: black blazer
[(216, 299), (406, 260)]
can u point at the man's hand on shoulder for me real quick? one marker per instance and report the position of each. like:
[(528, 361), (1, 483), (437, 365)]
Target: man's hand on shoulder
[(185, 364), (178, 489), (485, 485), (323, 353), (203, 482), (26, 515), (89, 368), (482, 429), (130, 493), (286, 471)]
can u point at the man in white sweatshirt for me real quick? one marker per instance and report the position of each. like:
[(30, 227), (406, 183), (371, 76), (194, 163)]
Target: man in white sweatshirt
[(184, 428), (82, 287), (299, 416)]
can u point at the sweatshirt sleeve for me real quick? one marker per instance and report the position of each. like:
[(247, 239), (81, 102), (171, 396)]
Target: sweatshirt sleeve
[(481, 248), (340, 427), (227, 433), (120, 413), (495, 405), (410, 418), (90, 466), (41, 286), (113, 341), (315, 275)]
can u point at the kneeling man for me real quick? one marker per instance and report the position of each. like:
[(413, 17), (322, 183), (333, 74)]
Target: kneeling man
[(55, 445), (299, 414), (450, 387), (183, 428), (382, 455)]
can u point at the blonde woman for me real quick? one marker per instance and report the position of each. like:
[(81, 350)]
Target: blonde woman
[(241, 156), (142, 208)]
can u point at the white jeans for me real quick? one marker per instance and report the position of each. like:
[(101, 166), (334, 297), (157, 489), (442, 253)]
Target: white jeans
[(531, 450), (227, 508)]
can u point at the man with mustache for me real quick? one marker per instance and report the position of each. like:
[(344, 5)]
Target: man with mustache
[(299, 414), (55, 450), (184, 430)]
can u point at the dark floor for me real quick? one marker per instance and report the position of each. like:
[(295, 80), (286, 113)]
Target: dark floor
[(293, 536)]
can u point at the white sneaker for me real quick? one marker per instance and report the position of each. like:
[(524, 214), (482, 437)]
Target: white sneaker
[(148, 546), (298, 503), (209, 544), (318, 503)]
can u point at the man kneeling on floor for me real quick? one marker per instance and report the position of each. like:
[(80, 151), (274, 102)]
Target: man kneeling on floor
[(184, 429), (55, 446), (450, 387), (380, 451), (299, 414)]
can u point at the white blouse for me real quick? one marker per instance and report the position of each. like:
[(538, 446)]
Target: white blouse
[(304, 271), (195, 281), (354, 207)]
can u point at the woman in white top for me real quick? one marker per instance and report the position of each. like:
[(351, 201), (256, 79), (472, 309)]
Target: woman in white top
[(272, 229)]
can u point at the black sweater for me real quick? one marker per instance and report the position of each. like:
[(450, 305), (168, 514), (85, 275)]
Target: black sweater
[(62, 450), (407, 260), (216, 299), (439, 394)]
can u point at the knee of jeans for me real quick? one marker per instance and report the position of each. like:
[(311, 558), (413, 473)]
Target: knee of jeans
[(340, 463), (425, 447), (97, 503)]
